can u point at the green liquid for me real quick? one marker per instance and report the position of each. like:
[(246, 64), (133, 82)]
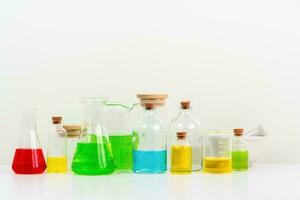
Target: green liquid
[(240, 160), (122, 151), (93, 158)]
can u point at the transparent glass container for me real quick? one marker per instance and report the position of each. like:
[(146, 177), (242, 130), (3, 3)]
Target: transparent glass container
[(119, 120), (29, 156), (93, 155), (181, 155), (185, 121), (57, 148), (149, 143), (239, 151), (217, 151), (73, 133)]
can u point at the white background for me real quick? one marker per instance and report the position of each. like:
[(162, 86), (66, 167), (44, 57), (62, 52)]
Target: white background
[(236, 60)]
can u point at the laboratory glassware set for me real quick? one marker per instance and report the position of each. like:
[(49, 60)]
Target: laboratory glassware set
[(110, 139)]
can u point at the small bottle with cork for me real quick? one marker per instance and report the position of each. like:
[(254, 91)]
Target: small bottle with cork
[(239, 151), (57, 148), (181, 155)]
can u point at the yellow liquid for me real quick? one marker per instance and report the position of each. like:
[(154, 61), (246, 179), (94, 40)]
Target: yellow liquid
[(57, 165), (216, 165), (181, 159)]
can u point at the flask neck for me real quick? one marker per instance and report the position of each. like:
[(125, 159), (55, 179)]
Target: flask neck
[(185, 112), (29, 120)]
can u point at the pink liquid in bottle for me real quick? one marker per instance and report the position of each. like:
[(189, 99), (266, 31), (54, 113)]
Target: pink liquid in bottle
[(29, 161)]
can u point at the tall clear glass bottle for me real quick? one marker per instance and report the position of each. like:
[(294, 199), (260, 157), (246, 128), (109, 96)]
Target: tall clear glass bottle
[(239, 151), (185, 121), (149, 143), (181, 155), (93, 155), (57, 148), (29, 157)]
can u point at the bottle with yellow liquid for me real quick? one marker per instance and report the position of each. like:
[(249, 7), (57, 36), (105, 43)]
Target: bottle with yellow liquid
[(57, 148), (217, 151), (181, 155)]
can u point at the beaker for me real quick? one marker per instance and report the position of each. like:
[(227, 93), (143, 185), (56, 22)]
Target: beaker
[(217, 151), (29, 157), (119, 118), (93, 155)]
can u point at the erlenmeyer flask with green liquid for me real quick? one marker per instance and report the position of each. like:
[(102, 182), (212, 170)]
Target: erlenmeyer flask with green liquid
[(93, 154)]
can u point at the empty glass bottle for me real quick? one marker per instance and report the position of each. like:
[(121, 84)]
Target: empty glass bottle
[(181, 155), (186, 122), (29, 157), (239, 151), (149, 143), (217, 151), (93, 155), (57, 148)]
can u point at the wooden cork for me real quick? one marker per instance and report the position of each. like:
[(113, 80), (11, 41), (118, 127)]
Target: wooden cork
[(238, 131), (185, 105), (181, 135), (56, 120)]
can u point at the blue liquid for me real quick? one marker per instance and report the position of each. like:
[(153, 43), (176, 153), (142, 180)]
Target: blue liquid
[(150, 161)]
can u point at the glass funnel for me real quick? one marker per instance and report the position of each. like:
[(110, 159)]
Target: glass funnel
[(29, 157), (93, 155), (119, 118)]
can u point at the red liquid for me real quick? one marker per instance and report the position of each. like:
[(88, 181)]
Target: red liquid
[(29, 161)]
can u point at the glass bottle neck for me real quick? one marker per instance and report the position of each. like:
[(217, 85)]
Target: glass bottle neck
[(150, 112), (185, 111)]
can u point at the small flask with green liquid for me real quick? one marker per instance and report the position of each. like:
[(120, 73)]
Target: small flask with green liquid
[(239, 151)]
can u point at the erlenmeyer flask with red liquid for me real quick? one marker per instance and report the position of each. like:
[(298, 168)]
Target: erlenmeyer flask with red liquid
[(29, 157)]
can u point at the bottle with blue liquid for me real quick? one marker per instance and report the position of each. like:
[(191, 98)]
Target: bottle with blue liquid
[(149, 143)]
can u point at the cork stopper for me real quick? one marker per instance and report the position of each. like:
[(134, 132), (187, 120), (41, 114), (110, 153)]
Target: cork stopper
[(157, 99), (56, 120), (185, 105), (181, 135), (238, 131), (73, 130), (149, 106)]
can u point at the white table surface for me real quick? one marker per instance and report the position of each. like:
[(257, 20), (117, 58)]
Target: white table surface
[(264, 181)]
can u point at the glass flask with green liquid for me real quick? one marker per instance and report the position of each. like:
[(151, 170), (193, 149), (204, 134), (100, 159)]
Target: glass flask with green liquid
[(93, 154), (119, 118)]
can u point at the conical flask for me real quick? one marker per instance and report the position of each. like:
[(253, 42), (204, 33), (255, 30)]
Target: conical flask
[(29, 157), (93, 154)]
